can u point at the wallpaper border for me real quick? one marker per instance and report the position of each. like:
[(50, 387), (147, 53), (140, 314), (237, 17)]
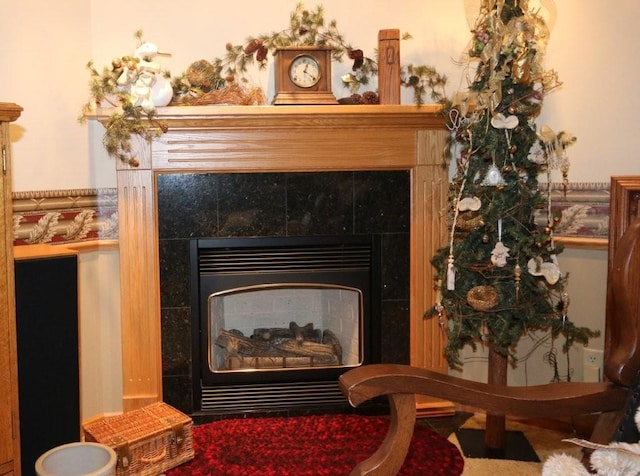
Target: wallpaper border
[(65, 216), (68, 216), (583, 209)]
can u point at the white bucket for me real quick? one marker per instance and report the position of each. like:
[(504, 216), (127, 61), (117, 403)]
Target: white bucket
[(78, 459)]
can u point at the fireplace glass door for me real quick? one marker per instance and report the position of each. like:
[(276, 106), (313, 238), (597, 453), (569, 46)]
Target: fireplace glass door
[(285, 326), (276, 320)]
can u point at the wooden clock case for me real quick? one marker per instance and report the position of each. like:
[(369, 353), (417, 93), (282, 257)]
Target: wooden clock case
[(287, 92)]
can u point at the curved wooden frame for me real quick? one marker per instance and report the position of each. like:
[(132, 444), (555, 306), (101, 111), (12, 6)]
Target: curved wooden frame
[(609, 398), (624, 205), (400, 383)]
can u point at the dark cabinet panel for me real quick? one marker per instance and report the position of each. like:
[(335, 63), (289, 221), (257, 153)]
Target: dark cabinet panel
[(48, 360)]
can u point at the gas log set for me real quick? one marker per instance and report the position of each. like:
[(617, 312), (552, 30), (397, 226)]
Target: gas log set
[(279, 347)]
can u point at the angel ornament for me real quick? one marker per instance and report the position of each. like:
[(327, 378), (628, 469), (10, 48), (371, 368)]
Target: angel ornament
[(500, 252), (499, 255)]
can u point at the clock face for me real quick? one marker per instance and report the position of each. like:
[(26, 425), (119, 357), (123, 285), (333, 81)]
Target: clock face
[(305, 71)]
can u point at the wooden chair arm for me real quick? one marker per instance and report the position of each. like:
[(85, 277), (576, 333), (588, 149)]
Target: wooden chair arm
[(549, 400), (389, 457)]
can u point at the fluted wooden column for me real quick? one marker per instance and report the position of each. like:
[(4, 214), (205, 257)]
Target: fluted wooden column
[(139, 283), (428, 233)]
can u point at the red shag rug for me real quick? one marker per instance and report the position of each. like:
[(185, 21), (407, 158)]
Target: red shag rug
[(328, 445)]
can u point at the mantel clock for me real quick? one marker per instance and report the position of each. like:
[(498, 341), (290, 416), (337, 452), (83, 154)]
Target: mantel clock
[(303, 76)]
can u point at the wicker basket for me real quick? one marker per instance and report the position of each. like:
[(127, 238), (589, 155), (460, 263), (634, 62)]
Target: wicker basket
[(148, 441)]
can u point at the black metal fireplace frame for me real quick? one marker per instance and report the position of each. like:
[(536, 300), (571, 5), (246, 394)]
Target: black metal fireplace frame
[(276, 389)]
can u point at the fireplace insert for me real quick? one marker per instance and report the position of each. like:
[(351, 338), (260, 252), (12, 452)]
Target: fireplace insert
[(276, 320)]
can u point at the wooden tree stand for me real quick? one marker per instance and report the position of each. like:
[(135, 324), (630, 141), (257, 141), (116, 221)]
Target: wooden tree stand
[(495, 441)]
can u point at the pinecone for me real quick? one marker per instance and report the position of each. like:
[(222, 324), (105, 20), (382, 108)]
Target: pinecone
[(358, 58), (252, 47), (261, 54), (370, 97)]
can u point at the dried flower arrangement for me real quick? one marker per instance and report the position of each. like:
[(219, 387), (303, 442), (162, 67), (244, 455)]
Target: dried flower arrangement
[(224, 80)]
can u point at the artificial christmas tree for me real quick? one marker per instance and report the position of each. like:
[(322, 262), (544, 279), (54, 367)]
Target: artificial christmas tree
[(499, 276)]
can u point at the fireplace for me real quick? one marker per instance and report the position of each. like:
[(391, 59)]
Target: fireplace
[(229, 235), (154, 228), (276, 320)]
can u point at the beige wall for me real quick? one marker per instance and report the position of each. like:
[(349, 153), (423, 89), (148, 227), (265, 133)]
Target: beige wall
[(45, 46)]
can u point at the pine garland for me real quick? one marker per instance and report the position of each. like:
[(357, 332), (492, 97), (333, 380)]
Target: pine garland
[(495, 244)]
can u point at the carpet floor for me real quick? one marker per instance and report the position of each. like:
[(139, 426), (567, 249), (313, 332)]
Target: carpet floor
[(315, 446), (320, 445)]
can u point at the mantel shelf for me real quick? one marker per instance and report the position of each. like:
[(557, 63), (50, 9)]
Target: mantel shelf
[(185, 114), (287, 138)]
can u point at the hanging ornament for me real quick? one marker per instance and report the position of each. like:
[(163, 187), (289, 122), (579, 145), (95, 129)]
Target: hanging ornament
[(556, 151), (456, 119), (500, 121), (549, 270), (508, 123), (500, 252), (565, 306), (451, 274), (493, 178), (499, 255), (438, 307), (537, 154), (469, 204), (482, 298), (517, 272)]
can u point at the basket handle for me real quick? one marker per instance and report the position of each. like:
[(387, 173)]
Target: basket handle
[(155, 459)]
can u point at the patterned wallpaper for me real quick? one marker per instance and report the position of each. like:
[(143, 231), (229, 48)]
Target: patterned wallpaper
[(62, 216), (583, 208)]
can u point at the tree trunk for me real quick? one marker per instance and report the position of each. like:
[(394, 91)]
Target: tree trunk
[(495, 433)]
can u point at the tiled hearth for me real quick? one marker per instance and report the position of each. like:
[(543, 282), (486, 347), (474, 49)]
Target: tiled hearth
[(278, 204)]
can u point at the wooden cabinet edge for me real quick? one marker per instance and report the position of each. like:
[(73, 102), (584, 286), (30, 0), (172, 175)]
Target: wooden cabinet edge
[(9, 112)]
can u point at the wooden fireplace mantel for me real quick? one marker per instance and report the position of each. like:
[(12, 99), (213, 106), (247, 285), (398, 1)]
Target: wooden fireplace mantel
[(275, 139)]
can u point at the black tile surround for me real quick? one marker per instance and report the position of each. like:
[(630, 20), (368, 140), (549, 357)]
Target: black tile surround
[(277, 204)]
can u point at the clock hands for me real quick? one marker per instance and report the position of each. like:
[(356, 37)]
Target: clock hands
[(308, 73)]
